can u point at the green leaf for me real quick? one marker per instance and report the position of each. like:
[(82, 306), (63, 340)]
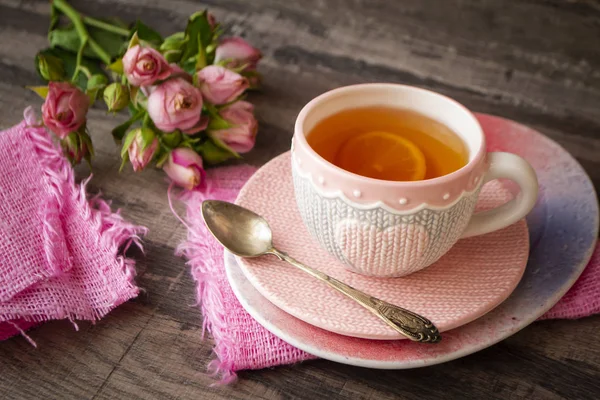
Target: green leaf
[(111, 42), (92, 95), (171, 139), (85, 138), (189, 66), (147, 34), (148, 136), (125, 160), (134, 41), (70, 61), (211, 47), (97, 81), (172, 56), (212, 110), (217, 122), (176, 37), (172, 47), (147, 122), (201, 59), (117, 66), (199, 19), (133, 92), (174, 42), (116, 21), (127, 142), (41, 91), (215, 152), (162, 158), (142, 100), (54, 18), (198, 33), (49, 67), (193, 141), (223, 146), (67, 38), (95, 85), (119, 131), (132, 109)]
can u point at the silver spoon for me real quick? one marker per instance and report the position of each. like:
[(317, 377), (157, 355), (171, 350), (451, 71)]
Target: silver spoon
[(247, 234)]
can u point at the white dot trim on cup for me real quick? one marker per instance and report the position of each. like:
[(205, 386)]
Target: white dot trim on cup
[(350, 196), (446, 196), (403, 201)]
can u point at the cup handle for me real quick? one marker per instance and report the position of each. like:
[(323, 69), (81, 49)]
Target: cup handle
[(515, 168)]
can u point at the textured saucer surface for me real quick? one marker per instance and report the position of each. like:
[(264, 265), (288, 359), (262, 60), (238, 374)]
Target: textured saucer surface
[(474, 277)]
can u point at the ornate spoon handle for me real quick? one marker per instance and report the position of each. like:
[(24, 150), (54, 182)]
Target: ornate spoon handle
[(407, 323)]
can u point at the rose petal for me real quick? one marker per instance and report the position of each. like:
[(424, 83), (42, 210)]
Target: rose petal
[(200, 126)]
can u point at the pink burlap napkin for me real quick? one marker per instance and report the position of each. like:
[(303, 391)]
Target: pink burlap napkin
[(60, 252), (241, 342)]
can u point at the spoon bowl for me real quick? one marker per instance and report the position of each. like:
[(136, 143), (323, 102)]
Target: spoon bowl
[(241, 231)]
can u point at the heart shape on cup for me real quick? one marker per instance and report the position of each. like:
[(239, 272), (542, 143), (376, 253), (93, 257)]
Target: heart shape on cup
[(394, 251)]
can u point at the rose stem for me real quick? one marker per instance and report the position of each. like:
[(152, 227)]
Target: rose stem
[(105, 26), (84, 36)]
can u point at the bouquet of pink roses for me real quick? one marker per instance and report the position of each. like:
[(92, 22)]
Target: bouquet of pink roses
[(184, 93)]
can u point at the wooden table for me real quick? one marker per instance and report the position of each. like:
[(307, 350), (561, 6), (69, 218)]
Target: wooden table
[(537, 62)]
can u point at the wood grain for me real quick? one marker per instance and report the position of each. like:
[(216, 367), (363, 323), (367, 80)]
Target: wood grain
[(537, 62)]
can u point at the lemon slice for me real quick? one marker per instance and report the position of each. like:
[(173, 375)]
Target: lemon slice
[(382, 155)]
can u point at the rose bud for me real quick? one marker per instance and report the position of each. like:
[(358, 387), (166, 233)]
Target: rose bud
[(142, 146), (241, 135), (76, 146), (220, 85), (172, 47), (236, 52), (116, 96), (51, 68), (144, 65), (184, 167), (176, 104), (65, 108)]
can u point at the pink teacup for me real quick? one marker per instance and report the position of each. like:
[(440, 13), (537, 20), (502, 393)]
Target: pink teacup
[(390, 228)]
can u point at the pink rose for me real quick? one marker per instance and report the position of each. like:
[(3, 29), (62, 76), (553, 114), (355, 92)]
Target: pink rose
[(237, 52), (144, 65), (184, 167), (75, 147), (220, 85), (142, 148), (65, 108), (176, 104), (241, 136), (177, 72)]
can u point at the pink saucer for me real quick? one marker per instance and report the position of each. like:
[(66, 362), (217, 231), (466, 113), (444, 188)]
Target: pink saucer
[(474, 277)]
